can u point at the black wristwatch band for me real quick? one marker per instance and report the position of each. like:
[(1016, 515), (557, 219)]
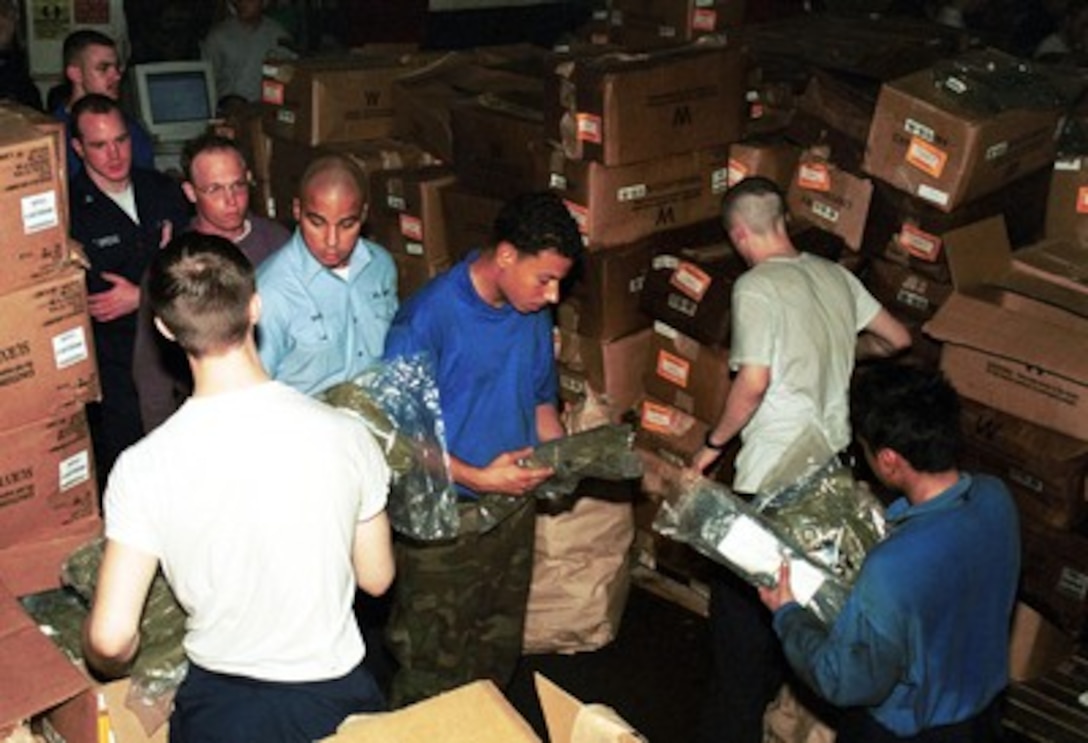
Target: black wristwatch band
[(710, 444)]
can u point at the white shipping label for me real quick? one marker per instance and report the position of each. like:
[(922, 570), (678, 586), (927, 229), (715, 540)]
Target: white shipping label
[(39, 212), (934, 195), (70, 347), (74, 470)]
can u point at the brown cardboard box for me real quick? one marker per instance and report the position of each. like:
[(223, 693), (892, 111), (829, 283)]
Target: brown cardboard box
[(929, 144), (406, 212), (498, 139), (690, 288), (321, 100), (643, 24), (33, 202), (46, 477), (1036, 645), (1054, 575), (614, 368), (604, 300), (470, 217), (771, 158), (618, 109), (1014, 334), (47, 362), (1067, 204), (905, 292), (414, 271), (422, 98), (623, 204), (1044, 469), (687, 374), (668, 432), (830, 198), (34, 565)]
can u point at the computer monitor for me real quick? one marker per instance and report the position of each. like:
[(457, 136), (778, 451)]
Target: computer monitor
[(176, 99)]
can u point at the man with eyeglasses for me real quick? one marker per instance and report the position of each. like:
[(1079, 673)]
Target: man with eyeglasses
[(121, 215), (92, 65), (328, 295), (217, 182)]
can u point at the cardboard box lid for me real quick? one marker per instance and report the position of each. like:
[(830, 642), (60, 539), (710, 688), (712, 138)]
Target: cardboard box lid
[(474, 713), (571, 721), (33, 675)]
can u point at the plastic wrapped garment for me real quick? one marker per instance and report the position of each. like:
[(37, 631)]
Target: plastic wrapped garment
[(717, 523), (398, 402)]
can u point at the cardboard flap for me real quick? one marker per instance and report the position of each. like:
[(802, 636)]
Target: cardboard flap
[(35, 675), (571, 721), (979, 321), (978, 253)]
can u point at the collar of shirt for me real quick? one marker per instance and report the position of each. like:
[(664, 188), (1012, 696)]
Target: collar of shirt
[(310, 269), (902, 511)]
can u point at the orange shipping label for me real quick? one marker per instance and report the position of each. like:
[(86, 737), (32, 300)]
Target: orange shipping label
[(589, 128), (657, 418), (814, 176), (272, 92), (691, 280), (673, 368), (1082, 200), (919, 243), (411, 227), (737, 172), (928, 158)]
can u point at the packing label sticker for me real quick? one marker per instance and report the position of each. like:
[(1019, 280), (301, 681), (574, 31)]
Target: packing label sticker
[(631, 193), (666, 32), (719, 180), (286, 116), (272, 92), (1068, 164), (1072, 583), (926, 157), (413, 248), (70, 347), (39, 212), (1082, 200), (814, 176), (825, 211), (662, 419), (74, 470), (704, 19), (934, 195), (396, 203), (919, 243), (411, 227), (571, 382), (673, 368), (920, 130), (691, 280), (736, 172), (589, 128), (995, 151)]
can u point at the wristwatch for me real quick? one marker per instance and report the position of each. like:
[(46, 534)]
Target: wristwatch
[(710, 444)]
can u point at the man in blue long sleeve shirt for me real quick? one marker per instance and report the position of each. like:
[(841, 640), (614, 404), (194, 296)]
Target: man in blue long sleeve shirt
[(328, 295), (920, 650)]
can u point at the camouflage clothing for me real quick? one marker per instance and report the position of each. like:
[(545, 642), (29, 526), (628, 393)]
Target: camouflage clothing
[(463, 615)]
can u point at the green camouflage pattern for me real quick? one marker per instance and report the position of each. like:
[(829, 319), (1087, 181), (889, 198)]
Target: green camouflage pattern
[(459, 606)]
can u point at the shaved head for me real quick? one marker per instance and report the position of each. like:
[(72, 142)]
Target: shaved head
[(333, 171)]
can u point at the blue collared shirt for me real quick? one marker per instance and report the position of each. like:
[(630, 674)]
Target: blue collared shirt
[(316, 328), (923, 639)]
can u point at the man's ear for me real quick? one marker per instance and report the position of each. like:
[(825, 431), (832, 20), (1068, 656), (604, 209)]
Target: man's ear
[(161, 326), (505, 254), (77, 146), (190, 192), (254, 309), (296, 209)]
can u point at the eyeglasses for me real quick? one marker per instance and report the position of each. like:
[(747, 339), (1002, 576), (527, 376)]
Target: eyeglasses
[(219, 190)]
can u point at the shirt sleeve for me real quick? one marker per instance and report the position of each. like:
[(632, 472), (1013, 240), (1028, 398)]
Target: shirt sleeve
[(752, 337), (865, 304)]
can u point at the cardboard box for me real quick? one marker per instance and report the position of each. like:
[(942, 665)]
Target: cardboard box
[(687, 374), (34, 565), (605, 295), (906, 293), (690, 289), (33, 201), (1044, 469), (830, 198), (47, 361), (932, 145), (1054, 575), (498, 139), (1067, 203), (321, 100), (642, 24), (406, 212), (470, 218), (669, 432), (46, 477), (413, 271), (614, 368), (626, 203), (1036, 646), (771, 158), (479, 713), (617, 109), (1015, 329)]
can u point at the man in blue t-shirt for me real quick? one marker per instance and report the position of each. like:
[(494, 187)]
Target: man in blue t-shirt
[(459, 607), (920, 650)]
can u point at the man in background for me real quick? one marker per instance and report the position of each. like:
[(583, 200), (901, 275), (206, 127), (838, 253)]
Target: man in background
[(237, 47), (920, 650), (217, 183), (459, 607), (264, 508), (92, 65), (328, 294), (796, 320), (121, 215)]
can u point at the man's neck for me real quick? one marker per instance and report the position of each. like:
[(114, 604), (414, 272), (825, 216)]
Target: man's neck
[(108, 186), (925, 486), (205, 227), (484, 273), (236, 369)]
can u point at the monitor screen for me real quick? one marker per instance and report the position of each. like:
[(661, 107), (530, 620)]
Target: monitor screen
[(178, 96)]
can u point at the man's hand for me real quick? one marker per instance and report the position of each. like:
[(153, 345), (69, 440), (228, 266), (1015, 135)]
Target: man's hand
[(167, 233), (120, 300), (704, 459), (505, 475), (781, 593)]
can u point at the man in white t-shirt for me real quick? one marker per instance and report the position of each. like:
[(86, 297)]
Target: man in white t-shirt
[(264, 507), (796, 320), (237, 47)]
